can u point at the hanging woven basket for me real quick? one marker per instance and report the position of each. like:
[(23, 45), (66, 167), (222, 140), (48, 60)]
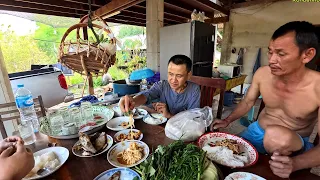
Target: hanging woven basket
[(84, 56)]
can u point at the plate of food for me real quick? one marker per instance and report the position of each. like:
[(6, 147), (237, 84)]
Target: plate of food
[(94, 145), (139, 113), (128, 134), (120, 123), (128, 153), (47, 161), (155, 119), (118, 174), (228, 150), (243, 176)]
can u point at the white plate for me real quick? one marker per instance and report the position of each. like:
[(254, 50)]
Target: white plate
[(126, 174), (109, 141), (142, 113), (62, 154), (126, 132), (155, 119), (112, 154), (115, 123), (243, 176)]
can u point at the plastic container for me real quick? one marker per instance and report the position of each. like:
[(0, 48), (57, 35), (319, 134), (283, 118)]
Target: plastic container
[(25, 105), (228, 98)]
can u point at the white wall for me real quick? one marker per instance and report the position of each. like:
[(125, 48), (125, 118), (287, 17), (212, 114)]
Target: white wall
[(253, 27)]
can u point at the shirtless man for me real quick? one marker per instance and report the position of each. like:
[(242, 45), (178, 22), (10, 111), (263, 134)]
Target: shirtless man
[(291, 94)]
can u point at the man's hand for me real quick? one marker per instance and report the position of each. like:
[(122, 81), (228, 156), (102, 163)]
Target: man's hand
[(162, 109), (218, 123), (9, 142), (126, 104), (18, 162), (281, 166)]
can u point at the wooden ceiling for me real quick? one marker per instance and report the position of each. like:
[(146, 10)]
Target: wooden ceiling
[(175, 11)]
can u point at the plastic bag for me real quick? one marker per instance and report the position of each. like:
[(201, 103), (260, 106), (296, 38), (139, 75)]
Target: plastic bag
[(189, 125)]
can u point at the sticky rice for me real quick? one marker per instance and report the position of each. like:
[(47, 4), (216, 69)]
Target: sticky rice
[(47, 160), (225, 156)]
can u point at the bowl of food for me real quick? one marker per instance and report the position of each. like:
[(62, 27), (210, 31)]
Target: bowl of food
[(228, 150), (128, 134), (128, 153), (120, 123)]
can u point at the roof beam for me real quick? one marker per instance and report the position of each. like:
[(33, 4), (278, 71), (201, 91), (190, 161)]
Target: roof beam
[(217, 20), (252, 3), (114, 6), (97, 3), (119, 16), (60, 4), (178, 6), (27, 10), (169, 16), (41, 9), (214, 6), (114, 20)]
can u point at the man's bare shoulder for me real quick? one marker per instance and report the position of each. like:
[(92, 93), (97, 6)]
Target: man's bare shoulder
[(315, 76), (262, 73)]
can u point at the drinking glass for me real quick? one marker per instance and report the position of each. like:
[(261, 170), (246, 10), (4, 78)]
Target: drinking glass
[(26, 132), (76, 117), (64, 111), (56, 123), (86, 111)]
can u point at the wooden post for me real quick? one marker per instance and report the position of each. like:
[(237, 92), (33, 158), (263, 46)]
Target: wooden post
[(91, 89), (6, 94)]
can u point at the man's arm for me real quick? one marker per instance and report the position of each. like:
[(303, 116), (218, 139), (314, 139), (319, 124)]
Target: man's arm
[(249, 100), (308, 159), (195, 99)]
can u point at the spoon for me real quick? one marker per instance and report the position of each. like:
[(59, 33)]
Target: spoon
[(43, 171)]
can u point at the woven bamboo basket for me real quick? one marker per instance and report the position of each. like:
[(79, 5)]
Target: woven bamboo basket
[(85, 56)]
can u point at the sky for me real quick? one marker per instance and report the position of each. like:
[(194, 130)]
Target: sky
[(19, 25)]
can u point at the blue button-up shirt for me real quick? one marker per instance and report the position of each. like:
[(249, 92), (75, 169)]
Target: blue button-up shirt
[(176, 102)]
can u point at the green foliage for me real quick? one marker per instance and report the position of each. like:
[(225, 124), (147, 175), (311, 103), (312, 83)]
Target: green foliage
[(21, 51), (129, 44), (75, 79), (116, 73), (48, 39), (127, 30), (97, 82)]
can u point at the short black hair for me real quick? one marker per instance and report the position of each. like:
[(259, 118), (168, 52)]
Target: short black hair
[(181, 59), (306, 35)]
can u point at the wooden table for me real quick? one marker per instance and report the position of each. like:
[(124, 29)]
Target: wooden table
[(88, 168)]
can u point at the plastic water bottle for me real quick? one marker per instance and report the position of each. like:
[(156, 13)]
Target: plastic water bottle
[(25, 105)]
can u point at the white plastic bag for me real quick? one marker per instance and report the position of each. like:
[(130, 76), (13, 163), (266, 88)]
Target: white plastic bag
[(189, 125)]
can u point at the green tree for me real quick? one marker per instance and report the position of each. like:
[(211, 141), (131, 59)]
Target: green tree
[(128, 30), (21, 51)]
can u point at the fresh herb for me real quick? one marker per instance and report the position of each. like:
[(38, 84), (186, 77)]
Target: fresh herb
[(177, 161), (136, 178)]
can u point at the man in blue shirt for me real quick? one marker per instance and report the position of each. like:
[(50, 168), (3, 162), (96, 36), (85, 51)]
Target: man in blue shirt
[(174, 95)]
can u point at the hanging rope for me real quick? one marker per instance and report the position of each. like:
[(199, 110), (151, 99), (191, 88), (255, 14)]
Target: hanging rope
[(90, 23)]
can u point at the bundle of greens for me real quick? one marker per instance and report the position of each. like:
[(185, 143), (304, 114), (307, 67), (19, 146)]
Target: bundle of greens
[(177, 161)]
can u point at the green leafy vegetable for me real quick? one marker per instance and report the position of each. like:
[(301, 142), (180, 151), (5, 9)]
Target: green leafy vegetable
[(177, 161)]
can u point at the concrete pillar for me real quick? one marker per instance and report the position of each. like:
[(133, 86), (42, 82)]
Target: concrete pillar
[(226, 42), (6, 94), (154, 23)]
